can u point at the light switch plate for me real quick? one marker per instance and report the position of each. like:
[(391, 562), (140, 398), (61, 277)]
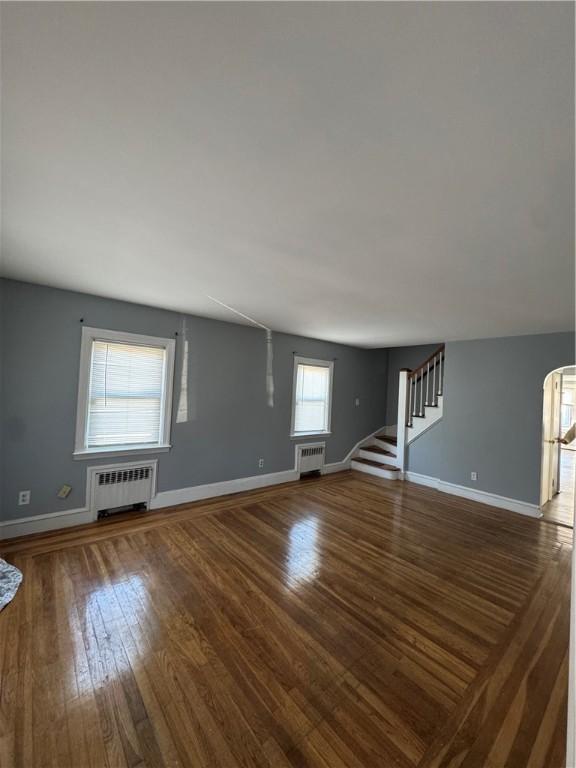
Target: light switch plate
[(64, 492)]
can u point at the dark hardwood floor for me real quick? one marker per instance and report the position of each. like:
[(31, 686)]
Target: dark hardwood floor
[(560, 509), (343, 621)]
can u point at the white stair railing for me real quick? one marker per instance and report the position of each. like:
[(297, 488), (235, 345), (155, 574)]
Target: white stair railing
[(426, 382), (417, 390)]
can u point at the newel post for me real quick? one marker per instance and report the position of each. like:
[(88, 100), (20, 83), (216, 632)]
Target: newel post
[(403, 394)]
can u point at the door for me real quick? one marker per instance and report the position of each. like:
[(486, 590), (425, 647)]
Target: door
[(551, 431)]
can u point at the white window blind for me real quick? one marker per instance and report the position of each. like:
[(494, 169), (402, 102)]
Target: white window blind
[(126, 395), (312, 398)]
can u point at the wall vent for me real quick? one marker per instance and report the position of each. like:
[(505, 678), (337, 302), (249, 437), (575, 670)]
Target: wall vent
[(310, 457), (317, 450), (124, 476), (120, 486)]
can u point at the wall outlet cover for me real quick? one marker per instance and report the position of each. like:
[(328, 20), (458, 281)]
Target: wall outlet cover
[(23, 498), (473, 475), (64, 492)]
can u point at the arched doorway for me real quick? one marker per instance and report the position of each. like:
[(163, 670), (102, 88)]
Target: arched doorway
[(558, 459)]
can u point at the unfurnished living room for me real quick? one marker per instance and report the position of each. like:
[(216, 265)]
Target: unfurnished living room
[(287, 385)]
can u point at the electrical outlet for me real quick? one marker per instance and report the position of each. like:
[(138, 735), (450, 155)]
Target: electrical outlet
[(474, 476), (357, 402), (23, 498), (261, 463)]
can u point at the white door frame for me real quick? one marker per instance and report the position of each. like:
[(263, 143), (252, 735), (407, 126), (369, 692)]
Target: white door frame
[(550, 405), (571, 730)]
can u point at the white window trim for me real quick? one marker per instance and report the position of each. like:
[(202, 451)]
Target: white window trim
[(90, 335), (323, 364)]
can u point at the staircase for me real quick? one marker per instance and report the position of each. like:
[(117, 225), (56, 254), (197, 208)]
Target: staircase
[(420, 406), (379, 458)]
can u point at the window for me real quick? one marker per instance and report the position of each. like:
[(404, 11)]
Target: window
[(124, 393), (312, 397)]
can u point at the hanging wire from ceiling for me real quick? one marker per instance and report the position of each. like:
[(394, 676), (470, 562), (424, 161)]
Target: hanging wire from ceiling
[(269, 348)]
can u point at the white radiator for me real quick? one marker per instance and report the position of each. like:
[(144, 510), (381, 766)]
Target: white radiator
[(121, 485), (310, 457)]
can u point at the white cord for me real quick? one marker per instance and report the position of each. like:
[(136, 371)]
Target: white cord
[(246, 317), (269, 348)]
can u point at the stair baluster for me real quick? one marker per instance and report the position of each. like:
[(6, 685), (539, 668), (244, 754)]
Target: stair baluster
[(421, 413), (424, 386), (441, 373)]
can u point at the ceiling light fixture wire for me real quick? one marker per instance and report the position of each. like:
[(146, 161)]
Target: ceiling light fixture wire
[(269, 348)]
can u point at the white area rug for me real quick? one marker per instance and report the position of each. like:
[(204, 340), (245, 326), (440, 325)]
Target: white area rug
[(10, 578)]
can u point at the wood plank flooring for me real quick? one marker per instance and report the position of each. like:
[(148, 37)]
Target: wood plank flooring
[(561, 508), (344, 621)]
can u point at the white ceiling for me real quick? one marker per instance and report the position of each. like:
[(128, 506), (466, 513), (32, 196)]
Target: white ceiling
[(376, 174)]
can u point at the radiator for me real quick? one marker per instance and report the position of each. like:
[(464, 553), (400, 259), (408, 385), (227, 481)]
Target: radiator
[(310, 457), (121, 486)]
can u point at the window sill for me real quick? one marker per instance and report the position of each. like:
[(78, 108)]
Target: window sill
[(295, 436), (94, 453)]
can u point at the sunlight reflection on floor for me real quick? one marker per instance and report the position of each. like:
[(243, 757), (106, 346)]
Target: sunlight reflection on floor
[(303, 562)]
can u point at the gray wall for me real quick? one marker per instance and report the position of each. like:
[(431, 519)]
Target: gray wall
[(398, 358), (492, 418), (491, 425), (230, 425)]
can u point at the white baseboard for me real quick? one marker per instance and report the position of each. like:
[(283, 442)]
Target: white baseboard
[(51, 521), (335, 466), (484, 497), (54, 520), (23, 526), (414, 477), (198, 492)]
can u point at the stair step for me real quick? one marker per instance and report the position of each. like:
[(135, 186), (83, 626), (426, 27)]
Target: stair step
[(377, 464), (378, 450), (392, 439)]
